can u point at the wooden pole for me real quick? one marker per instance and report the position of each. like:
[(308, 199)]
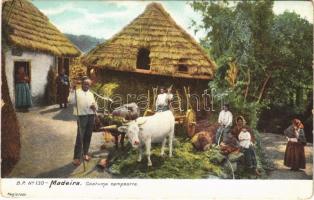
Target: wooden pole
[(79, 129)]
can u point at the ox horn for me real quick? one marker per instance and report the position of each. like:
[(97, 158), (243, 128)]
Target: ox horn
[(111, 127), (141, 122)]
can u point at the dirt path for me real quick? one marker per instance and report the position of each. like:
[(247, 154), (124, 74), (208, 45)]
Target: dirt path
[(275, 146), (47, 142), (48, 137)]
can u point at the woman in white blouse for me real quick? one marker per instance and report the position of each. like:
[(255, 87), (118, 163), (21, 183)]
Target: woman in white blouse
[(247, 149)]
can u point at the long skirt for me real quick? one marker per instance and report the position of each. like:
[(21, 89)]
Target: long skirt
[(23, 97), (249, 157), (62, 94), (294, 155)]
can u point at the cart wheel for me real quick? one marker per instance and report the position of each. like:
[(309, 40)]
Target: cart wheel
[(190, 122)]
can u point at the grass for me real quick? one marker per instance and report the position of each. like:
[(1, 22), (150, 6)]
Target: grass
[(186, 163)]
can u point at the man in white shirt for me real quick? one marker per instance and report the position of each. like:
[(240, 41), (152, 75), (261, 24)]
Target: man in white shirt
[(85, 109), (163, 100), (225, 122)]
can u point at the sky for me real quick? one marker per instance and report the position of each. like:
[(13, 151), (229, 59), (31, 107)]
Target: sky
[(102, 19)]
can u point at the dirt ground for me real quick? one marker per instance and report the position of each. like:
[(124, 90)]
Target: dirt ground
[(48, 136), (275, 146), (47, 141)]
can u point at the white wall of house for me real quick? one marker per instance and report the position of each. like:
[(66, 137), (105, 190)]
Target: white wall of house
[(39, 64)]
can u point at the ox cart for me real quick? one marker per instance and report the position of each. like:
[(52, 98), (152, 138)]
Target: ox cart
[(187, 119)]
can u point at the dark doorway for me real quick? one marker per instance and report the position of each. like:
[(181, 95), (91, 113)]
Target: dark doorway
[(63, 63), (143, 60), (25, 65)]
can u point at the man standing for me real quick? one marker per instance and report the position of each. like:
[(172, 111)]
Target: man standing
[(163, 100), (225, 122), (86, 110), (62, 88)]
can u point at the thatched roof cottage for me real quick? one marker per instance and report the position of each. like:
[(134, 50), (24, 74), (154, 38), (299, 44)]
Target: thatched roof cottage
[(152, 50), (34, 43), (153, 44)]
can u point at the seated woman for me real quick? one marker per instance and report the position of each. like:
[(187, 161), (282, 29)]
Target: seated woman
[(23, 98), (247, 149), (240, 122), (294, 155)]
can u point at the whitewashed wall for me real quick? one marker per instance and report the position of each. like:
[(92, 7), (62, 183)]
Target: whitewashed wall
[(39, 64)]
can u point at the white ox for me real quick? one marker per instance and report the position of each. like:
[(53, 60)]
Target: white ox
[(151, 129)]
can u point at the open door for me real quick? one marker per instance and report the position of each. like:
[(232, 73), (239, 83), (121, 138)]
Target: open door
[(26, 66), (64, 63)]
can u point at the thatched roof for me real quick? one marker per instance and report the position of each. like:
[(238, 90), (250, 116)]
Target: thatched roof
[(27, 27), (169, 46)]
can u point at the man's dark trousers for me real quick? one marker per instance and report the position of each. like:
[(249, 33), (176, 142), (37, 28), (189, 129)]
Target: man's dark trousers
[(85, 124)]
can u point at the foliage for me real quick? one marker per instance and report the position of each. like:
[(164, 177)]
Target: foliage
[(263, 60), (51, 87), (106, 89), (232, 74), (292, 60), (261, 45)]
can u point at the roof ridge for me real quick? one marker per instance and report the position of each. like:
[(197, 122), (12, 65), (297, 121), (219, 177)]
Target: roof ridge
[(168, 16)]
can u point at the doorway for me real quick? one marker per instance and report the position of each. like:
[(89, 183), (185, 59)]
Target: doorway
[(26, 66), (64, 63)]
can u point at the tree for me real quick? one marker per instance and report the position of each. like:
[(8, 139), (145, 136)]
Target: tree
[(269, 51), (291, 59)]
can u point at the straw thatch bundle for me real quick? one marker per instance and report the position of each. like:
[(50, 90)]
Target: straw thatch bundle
[(77, 69), (10, 133), (30, 29), (169, 46)]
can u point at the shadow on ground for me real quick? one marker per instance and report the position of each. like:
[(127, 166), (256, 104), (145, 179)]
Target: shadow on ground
[(64, 114), (61, 172)]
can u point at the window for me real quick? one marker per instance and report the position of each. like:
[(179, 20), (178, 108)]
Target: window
[(183, 68), (143, 60)]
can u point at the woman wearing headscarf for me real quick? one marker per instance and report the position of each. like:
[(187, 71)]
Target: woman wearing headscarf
[(240, 123), (294, 155)]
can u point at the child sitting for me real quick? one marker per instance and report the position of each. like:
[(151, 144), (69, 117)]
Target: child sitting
[(248, 150)]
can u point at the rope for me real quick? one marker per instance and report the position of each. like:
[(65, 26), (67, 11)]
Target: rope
[(101, 97), (104, 99)]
